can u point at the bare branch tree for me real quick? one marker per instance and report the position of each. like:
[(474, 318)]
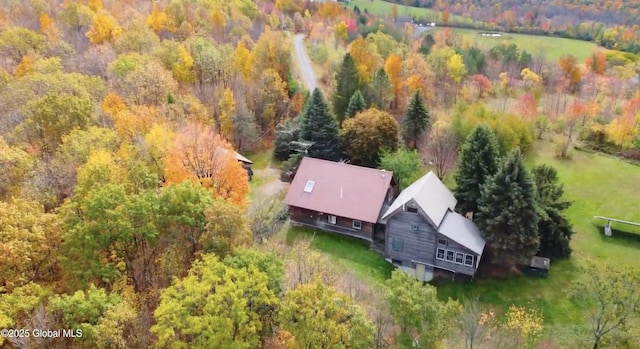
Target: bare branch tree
[(441, 149)]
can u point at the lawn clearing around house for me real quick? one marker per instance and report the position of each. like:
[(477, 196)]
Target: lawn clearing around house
[(348, 253), (596, 185)]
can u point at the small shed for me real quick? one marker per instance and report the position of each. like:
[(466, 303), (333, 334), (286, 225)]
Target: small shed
[(539, 266)]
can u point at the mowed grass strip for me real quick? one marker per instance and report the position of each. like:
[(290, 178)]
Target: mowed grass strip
[(349, 253)]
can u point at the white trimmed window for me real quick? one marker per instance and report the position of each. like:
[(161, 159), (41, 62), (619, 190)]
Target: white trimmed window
[(442, 242), (331, 219), (455, 257), (450, 255), (356, 224), (468, 260), (440, 254), (412, 209)]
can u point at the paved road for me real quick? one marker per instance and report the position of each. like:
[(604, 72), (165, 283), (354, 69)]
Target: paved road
[(305, 69)]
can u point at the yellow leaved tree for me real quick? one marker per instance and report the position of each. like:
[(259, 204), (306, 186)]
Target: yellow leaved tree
[(227, 107), (525, 324), (104, 28)]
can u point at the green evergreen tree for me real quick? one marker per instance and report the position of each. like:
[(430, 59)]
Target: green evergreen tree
[(347, 83), (416, 121), (554, 227), (507, 213), (378, 92), (356, 105), (478, 160), (320, 127), (285, 134)]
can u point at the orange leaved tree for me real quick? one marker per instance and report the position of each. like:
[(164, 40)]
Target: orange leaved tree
[(198, 154)]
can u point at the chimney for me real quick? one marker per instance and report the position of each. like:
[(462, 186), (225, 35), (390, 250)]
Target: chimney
[(340, 192), (384, 175)]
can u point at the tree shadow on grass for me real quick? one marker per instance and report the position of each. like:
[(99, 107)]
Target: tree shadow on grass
[(354, 252)]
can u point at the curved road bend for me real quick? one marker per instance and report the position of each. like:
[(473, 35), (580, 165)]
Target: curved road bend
[(304, 63)]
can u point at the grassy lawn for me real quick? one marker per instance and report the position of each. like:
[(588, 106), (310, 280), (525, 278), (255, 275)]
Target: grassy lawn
[(551, 46), (261, 159), (596, 185), (383, 8), (349, 253)]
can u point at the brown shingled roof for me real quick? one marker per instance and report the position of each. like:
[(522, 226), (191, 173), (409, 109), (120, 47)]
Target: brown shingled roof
[(339, 189)]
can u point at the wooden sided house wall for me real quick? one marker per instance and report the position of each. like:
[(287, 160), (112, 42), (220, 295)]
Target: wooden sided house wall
[(417, 230)]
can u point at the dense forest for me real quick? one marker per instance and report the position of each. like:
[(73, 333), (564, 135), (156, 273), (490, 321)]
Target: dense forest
[(126, 218), (612, 24)]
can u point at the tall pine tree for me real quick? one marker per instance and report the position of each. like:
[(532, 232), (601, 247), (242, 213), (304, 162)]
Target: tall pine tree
[(478, 160), (320, 127), (554, 228), (347, 83), (507, 213), (416, 121), (378, 92), (286, 133), (356, 105)]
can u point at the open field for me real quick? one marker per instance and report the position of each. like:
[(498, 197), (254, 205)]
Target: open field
[(383, 8), (596, 184), (552, 47)]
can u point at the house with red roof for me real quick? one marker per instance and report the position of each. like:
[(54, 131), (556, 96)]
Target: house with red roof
[(417, 230), (339, 197)]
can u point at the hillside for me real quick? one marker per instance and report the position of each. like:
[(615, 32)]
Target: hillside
[(146, 151), (609, 24)]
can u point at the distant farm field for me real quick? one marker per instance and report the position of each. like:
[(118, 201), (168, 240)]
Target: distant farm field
[(552, 47), (383, 8)]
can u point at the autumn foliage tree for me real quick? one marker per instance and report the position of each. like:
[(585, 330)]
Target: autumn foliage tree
[(200, 155), (393, 68), (158, 19), (596, 62), (103, 29), (30, 239), (215, 305), (571, 71), (319, 315), (367, 135)]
